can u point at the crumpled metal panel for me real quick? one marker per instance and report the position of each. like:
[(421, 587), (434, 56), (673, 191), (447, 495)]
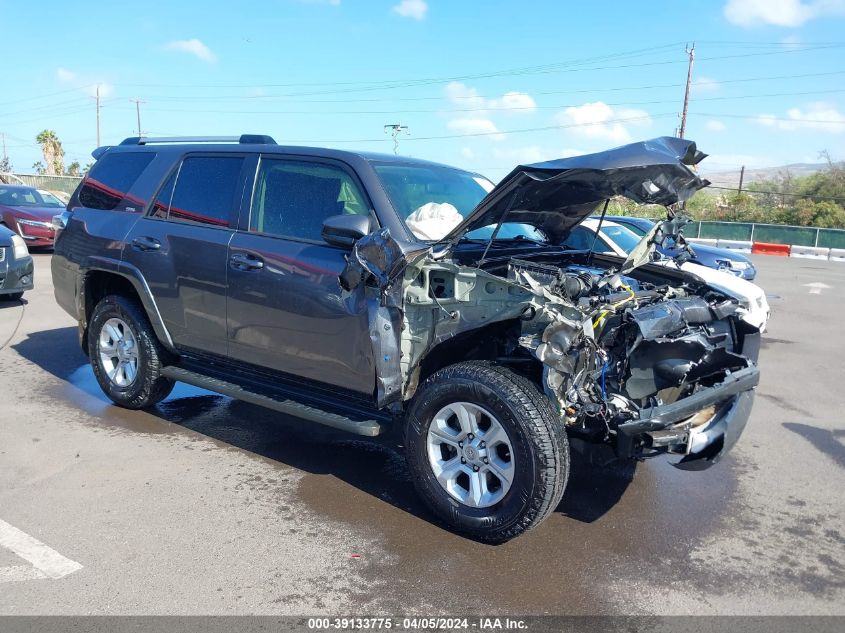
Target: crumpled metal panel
[(557, 195), (385, 324), (377, 254)]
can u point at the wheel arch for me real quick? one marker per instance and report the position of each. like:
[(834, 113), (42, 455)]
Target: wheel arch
[(101, 279), (485, 343)]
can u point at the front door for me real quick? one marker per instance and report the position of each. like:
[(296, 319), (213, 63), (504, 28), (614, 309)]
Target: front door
[(181, 246), (285, 310)]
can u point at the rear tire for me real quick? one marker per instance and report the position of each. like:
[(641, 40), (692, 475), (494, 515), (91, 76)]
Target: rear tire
[(125, 354), (521, 471)]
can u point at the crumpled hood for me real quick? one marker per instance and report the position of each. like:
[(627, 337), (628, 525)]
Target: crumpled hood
[(557, 195)]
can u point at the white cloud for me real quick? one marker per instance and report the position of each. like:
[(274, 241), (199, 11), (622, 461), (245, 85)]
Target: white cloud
[(64, 75), (87, 83), (532, 154), (705, 84), (467, 98), (476, 126), (790, 13), (599, 120), (715, 126), (106, 89), (515, 102), (464, 96), (194, 47), (817, 116), (414, 9)]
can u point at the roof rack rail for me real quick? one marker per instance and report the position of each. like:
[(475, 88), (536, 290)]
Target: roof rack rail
[(248, 139)]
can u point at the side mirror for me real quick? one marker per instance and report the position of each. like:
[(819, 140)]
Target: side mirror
[(345, 230)]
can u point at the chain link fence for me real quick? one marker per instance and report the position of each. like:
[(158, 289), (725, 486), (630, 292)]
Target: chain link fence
[(55, 184), (771, 233)]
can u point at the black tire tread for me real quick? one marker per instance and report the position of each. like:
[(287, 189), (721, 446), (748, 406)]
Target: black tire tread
[(152, 387), (544, 428)]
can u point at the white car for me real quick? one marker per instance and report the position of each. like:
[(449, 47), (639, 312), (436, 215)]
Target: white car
[(619, 240)]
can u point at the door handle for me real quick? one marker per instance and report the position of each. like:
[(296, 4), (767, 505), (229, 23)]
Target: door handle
[(242, 261), (146, 244)]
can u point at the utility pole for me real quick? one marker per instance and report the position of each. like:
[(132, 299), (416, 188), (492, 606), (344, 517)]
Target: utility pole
[(741, 178), (3, 136), (691, 54), (138, 103), (97, 100), (394, 129)]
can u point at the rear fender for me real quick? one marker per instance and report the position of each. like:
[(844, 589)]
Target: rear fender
[(133, 275)]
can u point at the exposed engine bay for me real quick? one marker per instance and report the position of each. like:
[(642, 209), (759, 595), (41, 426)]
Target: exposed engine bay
[(609, 345), (643, 357)]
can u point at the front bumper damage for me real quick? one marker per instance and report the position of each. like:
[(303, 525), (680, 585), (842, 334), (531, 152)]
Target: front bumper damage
[(702, 427)]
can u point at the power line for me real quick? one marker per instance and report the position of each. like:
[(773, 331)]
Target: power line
[(563, 67)]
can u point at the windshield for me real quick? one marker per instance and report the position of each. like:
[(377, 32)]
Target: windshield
[(27, 197), (50, 200), (622, 237), (432, 200)]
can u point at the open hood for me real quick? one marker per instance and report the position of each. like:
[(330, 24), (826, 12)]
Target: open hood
[(557, 195)]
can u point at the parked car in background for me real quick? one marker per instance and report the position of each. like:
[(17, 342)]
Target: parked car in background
[(619, 240), (29, 212), (704, 254), (15, 265), (59, 197)]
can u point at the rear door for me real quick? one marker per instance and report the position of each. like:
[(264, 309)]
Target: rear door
[(286, 311), (181, 246)]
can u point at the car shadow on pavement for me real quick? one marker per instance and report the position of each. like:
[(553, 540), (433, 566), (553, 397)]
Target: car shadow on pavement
[(6, 304), (824, 440), (375, 466)]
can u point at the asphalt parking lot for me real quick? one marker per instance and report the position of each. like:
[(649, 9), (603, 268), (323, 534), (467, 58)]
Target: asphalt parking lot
[(206, 505)]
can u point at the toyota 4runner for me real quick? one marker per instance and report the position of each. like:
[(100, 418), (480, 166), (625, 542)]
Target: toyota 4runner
[(366, 292)]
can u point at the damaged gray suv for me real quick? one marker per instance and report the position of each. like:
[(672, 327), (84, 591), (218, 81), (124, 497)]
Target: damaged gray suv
[(369, 292)]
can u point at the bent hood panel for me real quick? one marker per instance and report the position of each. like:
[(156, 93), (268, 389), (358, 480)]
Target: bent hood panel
[(556, 195)]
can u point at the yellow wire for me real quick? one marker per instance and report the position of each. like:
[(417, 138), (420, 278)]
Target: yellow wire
[(604, 313)]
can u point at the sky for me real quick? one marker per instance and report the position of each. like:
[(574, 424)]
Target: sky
[(483, 85)]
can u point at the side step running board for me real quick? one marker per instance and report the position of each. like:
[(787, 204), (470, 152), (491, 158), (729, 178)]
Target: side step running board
[(370, 428)]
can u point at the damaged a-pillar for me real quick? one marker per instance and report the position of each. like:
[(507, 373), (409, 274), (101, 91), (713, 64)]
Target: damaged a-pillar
[(375, 266)]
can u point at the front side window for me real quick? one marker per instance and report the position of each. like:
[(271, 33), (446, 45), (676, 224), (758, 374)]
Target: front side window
[(203, 191), (292, 199), (111, 177)]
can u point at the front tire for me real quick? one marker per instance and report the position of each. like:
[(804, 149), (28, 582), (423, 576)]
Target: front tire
[(486, 451), (125, 354)]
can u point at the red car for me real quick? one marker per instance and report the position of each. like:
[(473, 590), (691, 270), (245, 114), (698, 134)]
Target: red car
[(29, 213)]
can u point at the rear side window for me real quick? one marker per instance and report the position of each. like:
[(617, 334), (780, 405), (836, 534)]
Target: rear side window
[(204, 191), (111, 178)]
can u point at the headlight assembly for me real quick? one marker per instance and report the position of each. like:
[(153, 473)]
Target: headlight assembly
[(19, 249)]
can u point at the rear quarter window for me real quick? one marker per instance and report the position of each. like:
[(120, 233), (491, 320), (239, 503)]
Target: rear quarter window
[(111, 178)]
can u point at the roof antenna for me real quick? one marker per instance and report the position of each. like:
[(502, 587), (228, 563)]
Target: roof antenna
[(394, 129), (596, 236)]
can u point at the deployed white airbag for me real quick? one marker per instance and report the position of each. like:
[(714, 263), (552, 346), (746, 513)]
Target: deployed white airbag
[(433, 220)]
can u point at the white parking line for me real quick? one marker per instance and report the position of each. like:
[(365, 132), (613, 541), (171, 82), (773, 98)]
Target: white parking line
[(45, 562)]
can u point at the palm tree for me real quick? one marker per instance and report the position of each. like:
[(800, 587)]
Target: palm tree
[(51, 148)]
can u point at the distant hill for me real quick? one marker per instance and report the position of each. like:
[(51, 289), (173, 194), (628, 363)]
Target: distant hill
[(731, 178)]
